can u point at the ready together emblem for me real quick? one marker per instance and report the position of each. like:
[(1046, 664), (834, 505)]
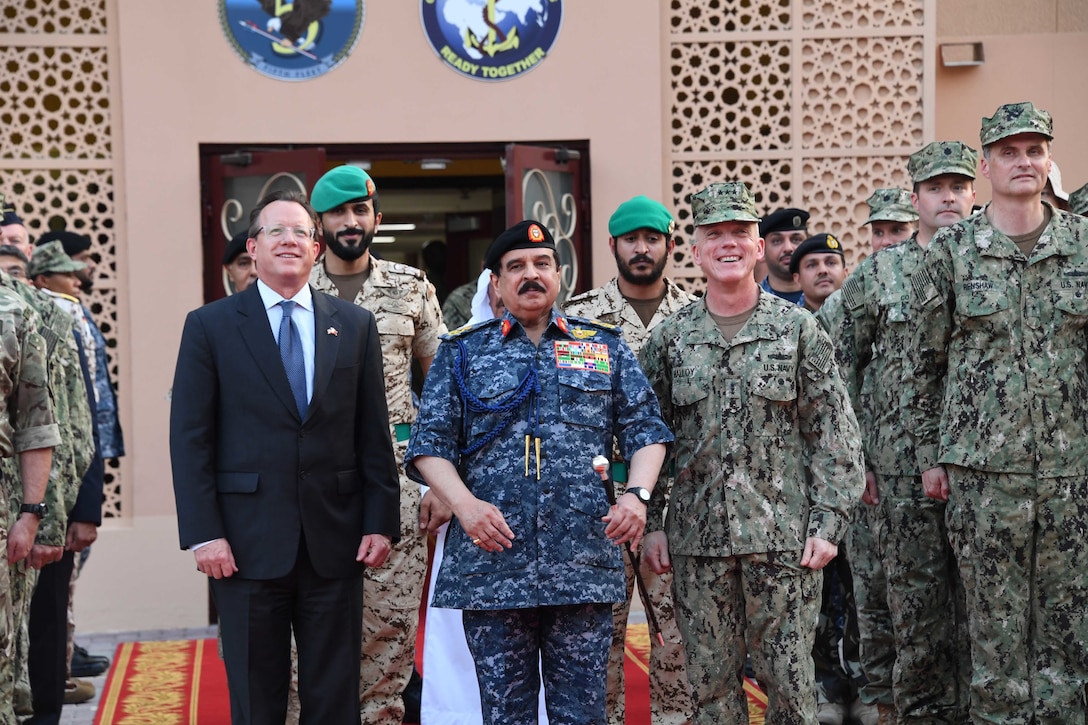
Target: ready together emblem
[(491, 40), (292, 40)]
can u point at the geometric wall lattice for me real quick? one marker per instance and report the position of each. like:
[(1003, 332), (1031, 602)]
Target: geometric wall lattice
[(77, 17)]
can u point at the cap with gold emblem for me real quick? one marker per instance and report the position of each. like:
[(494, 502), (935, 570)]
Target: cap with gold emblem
[(340, 185), (890, 205), (527, 234), (728, 201), (1015, 118), (819, 244), (784, 220), (942, 157)]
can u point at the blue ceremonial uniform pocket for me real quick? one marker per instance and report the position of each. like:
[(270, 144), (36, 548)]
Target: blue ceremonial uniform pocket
[(585, 533), (492, 388), (473, 560), (585, 398)]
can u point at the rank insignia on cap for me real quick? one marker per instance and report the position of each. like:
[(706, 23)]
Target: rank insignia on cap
[(832, 243), (370, 187), (582, 333), (536, 234)]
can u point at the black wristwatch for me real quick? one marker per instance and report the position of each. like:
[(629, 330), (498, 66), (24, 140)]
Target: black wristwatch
[(640, 493), (38, 509)]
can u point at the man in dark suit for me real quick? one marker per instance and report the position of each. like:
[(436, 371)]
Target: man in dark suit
[(284, 475)]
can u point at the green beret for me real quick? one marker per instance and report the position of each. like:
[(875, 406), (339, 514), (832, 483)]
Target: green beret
[(50, 258), (890, 205), (641, 212), (527, 234), (819, 244), (342, 184), (1015, 118), (942, 157), (1078, 201), (729, 201)]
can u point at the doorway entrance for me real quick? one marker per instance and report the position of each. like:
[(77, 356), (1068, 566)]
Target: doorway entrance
[(441, 204)]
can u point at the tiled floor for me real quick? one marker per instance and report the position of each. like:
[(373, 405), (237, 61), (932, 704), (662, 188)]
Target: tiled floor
[(106, 644)]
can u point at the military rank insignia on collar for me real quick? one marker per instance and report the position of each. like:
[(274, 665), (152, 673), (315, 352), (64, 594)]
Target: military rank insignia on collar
[(506, 326), (561, 323)]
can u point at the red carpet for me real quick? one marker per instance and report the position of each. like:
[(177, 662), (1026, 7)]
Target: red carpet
[(184, 683), (167, 683)]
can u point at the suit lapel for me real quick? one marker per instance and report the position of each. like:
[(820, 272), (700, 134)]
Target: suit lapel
[(257, 335), (326, 346)]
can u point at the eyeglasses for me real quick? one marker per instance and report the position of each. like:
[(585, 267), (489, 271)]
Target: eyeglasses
[(278, 233)]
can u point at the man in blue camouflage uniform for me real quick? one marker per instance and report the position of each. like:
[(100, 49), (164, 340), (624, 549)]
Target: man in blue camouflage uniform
[(514, 410), (908, 531), (749, 383), (996, 386)]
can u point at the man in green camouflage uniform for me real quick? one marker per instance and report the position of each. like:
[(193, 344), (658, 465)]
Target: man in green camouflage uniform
[(908, 531), (28, 433), (70, 459), (638, 300), (409, 323), (749, 385), (997, 400)]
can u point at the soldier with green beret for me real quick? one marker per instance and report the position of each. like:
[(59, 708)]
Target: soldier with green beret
[(892, 218), (996, 383), (767, 472), (917, 635), (409, 323), (638, 299)]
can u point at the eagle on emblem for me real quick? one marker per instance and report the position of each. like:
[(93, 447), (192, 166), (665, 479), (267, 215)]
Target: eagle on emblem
[(291, 19)]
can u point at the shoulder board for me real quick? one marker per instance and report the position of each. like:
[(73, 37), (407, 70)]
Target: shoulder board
[(398, 268), (465, 329), (582, 327)]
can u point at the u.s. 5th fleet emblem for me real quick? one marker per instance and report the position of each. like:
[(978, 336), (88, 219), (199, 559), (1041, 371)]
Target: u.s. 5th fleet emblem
[(292, 40), (491, 40)]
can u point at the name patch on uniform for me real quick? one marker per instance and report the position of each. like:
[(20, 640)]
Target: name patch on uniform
[(576, 355)]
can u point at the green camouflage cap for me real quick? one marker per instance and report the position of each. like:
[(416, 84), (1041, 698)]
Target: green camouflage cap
[(1078, 201), (50, 258), (942, 157), (890, 205), (1014, 118), (729, 201)]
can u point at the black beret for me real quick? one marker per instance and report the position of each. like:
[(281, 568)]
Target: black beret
[(235, 246), (819, 244), (73, 243), (528, 234), (784, 220)]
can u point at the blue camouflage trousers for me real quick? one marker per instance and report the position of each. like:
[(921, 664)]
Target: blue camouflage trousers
[(567, 646), (1021, 544)]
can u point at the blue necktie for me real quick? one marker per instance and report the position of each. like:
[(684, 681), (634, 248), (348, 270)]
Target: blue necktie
[(291, 354)]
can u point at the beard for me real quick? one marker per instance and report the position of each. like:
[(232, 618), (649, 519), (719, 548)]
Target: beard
[(640, 278), (347, 251), (86, 281)]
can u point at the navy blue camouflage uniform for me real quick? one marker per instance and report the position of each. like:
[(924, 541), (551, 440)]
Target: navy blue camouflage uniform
[(575, 391)]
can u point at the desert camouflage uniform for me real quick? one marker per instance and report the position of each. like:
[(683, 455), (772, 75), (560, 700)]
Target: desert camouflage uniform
[(457, 309), (28, 424), (561, 559), (409, 323), (911, 539), (997, 390), (749, 415), (670, 691), (71, 457)]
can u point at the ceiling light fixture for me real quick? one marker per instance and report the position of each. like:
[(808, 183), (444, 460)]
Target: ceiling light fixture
[(434, 164), (395, 227), (384, 239)]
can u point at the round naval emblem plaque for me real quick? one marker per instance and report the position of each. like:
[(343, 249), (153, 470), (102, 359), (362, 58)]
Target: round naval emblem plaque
[(491, 40), (292, 40)]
